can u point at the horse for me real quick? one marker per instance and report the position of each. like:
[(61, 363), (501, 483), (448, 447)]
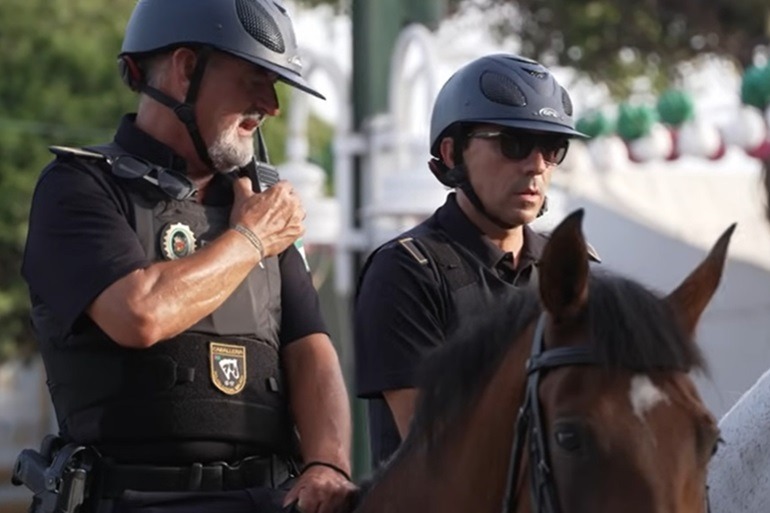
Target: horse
[(739, 475), (577, 398)]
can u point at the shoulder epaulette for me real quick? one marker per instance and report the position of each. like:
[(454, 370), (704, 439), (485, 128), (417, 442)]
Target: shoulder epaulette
[(68, 152), (438, 249), (408, 244)]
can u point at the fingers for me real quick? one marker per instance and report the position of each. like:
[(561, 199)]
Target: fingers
[(275, 215), (320, 492), (242, 187)]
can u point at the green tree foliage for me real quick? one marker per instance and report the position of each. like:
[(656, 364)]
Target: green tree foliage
[(60, 86), (614, 41)]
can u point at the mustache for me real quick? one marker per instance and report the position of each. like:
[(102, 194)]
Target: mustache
[(530, 185), (256, 116)]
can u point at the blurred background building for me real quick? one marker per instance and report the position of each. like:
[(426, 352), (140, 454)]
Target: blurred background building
[(677, 110)]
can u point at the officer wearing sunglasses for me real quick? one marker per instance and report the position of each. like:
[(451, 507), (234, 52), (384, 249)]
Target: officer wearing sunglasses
[(500, 127), (180, 329)]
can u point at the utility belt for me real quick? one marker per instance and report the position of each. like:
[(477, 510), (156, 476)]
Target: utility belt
[(63, 476), (258, 471)]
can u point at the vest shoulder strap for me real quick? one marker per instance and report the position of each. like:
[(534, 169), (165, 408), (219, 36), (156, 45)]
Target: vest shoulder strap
[(410, 243), (435, 247), (99, 155)]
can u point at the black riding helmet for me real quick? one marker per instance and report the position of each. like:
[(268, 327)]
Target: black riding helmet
[(258, 31), (500, 89), (505, 90)]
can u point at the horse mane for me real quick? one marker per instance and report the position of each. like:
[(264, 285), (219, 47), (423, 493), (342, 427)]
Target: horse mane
[(630, 327)]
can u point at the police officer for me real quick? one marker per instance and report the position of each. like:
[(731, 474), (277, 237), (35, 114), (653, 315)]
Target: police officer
[(179, 326), (500, 126)]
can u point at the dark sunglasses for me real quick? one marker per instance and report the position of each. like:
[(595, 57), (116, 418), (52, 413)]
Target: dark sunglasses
[(519, 145), (173, 183)]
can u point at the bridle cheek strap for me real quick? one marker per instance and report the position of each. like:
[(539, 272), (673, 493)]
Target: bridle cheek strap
[(530, 427)]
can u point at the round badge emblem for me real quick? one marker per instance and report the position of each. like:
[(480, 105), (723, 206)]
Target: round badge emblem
[(177, 241)]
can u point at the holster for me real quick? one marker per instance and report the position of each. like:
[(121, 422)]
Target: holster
[(58, 475)]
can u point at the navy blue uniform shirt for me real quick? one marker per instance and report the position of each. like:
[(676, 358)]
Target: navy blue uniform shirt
[(403, 312), (81, 239)]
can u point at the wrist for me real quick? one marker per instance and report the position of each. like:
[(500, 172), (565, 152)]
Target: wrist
[(332, 466), (252, 237)]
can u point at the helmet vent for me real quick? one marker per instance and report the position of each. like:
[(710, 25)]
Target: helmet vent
[(260, 25), (540, 75), (566, 102), (501, 89)]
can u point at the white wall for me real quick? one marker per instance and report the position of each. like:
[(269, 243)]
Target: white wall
[(735, 329)]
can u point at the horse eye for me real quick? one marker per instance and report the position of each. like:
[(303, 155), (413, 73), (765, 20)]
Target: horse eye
[(719, 441), (568, 438)]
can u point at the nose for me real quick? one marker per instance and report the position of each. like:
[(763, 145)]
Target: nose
[(535, 163), (266, 100)]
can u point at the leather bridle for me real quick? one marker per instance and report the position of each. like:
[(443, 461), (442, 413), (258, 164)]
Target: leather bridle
[(530, 427)]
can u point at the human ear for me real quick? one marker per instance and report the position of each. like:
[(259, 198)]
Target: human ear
[(183, 62), (446, 150)]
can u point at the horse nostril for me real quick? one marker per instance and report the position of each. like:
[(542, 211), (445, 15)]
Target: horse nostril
[(568, 440)]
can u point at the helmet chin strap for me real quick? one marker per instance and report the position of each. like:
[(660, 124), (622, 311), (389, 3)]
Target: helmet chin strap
[(457, 177), (185, 111), (464, 184)]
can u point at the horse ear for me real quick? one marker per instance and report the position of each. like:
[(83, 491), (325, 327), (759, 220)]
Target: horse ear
[(691, 297), (563, 269)]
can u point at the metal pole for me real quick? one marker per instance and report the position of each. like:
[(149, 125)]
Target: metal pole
[(376, 25)]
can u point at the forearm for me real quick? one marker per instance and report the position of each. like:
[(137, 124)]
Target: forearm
[(402, 404), (166, 298), (319, 400)]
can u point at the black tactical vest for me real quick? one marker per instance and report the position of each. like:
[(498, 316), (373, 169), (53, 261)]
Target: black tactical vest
[(219, 381), (467, 286)]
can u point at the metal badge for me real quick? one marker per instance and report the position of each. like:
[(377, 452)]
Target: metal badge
[(228, 367), (177, 241)]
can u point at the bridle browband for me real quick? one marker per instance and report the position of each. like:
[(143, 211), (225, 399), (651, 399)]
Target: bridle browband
[(529, 425)]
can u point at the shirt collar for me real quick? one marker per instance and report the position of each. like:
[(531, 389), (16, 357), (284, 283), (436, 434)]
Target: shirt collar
[(138, 142), (456, 224)]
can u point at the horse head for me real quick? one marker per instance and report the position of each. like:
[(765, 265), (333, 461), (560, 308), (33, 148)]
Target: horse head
[(630, 432), (574, 397)]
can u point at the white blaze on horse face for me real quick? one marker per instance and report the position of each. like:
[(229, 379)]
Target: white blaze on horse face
[(644, 395)]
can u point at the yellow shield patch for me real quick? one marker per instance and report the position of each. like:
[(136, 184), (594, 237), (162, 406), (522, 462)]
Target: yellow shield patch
[(228, 367)]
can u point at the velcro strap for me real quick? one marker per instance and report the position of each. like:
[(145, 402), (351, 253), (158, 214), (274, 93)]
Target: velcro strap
[(114, 479)]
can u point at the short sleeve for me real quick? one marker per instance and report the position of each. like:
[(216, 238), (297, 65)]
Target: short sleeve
[(80, 240), (300, 306), (399, 319)]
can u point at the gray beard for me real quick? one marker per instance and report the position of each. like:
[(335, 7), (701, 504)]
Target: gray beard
[(230, 152)]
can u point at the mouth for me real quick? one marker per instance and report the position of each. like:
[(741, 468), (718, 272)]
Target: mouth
[(530, 196), (250, 124)]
